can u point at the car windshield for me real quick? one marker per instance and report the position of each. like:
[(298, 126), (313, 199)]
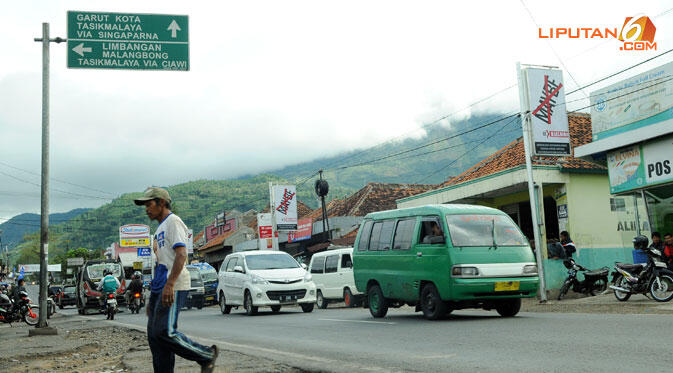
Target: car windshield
[(95, 271), (209, 274), (270, 261), (69, 290), (478, 230)]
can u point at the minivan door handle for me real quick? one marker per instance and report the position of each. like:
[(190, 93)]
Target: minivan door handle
[(419, 254)]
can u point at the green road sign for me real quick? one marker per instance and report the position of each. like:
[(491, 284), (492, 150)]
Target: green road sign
[(102, 40)]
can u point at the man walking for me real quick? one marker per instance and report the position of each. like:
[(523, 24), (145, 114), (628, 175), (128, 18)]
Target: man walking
[(169, 289)]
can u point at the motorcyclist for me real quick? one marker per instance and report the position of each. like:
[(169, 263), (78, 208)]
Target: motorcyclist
[(136, 286), (109, 284), (19, 287)]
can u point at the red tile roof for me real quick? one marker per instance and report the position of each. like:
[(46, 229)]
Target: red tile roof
[(373, 197), (217, 240), (513, 154)]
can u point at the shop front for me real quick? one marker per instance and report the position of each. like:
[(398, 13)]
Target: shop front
[(632, 124)]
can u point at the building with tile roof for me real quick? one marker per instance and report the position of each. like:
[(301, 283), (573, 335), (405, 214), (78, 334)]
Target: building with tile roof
[(572, 194)]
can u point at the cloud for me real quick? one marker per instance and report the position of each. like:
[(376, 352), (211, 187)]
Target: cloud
[(273, 84)]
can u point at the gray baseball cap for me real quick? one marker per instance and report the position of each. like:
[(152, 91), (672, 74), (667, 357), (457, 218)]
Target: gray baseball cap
[(152, 193)]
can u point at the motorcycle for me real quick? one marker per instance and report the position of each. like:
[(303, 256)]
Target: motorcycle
[(19, 310), (653, 277), (137, 302), (110, 305), (594, 283)]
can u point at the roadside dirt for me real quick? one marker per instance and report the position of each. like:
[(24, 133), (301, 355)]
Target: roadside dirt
[(85, 346)]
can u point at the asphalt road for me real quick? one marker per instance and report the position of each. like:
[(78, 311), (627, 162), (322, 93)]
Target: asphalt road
[(340, 340)]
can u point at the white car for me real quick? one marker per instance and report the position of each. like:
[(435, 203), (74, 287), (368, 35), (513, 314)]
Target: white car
[(332, 273), (263, 278)]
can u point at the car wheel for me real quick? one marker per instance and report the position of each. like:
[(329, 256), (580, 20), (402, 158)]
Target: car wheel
[(250, 310), (348, 298), (223, 305), (431, 303), (509, 307), (275, 309), (307, 307), (320, 300), (378, 304), (60, 306)]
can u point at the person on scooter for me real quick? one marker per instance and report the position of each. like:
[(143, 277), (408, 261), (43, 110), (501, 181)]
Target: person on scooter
[(109, 284), (19, 287), (568, 244), (136, 286)]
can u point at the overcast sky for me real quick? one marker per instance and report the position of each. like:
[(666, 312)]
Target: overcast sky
[(277, 83)]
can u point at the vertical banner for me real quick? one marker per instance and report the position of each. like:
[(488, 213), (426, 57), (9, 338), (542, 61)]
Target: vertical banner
[(545, 93), (265, 231), (285, 207), (190, 241)]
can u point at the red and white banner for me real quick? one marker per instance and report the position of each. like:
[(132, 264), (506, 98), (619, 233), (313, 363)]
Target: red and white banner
[(303, 232)]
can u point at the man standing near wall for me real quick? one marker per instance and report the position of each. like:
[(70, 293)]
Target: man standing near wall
[(169, 288)]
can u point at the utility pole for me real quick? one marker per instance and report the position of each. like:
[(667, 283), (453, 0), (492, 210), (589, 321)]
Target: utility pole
[(525, 123), (44, 200)]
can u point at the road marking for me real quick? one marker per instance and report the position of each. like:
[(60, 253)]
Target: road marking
[(361, 321)]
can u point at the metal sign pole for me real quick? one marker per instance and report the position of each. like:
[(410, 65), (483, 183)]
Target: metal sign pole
[(274, 228), (44, 200), (525, 123)]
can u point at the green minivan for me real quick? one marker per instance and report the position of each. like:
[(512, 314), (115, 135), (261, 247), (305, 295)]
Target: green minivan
[(441, 258)]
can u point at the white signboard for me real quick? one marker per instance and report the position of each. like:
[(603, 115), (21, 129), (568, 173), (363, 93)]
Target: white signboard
[(285, 207), (658, 159), (549, 120), (30, 268), (75, 261), (134, 235), (633, 103)]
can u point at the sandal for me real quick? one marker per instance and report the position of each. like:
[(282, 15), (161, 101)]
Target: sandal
[(210, 367)]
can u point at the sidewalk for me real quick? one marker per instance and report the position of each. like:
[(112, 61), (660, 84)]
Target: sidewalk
[(98, 346), (604, 303)]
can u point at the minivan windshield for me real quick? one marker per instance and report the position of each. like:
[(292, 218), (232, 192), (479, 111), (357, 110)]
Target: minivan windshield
[(209, 274), (270, 261), (478, 230), (96, 270), (194, 276)]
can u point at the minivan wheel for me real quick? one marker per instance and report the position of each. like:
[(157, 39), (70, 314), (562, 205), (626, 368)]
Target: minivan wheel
[(509, 307), (320, 300), (348, 298), (247, 304), (378, 304), (306, 307), (223, 305), (275, 309), (431, 303)]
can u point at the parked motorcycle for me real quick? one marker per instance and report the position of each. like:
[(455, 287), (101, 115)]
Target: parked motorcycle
[(110, 305), (137, 302), (594, 283), (19, 310), (653, 277)]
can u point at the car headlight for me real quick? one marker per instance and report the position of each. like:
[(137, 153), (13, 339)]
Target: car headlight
[(308, 277), (259, 280), (530, 269), (465, 271)]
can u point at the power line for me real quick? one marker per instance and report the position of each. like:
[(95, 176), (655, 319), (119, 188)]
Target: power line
[(54, 189), (57, 180), (469, 151)]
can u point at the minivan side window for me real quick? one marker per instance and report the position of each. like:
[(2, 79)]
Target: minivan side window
[(346, 261), (363, 245), (318, 265), (223, 267), (231, 264), (404, 234), (386, 234), (331, 263), (431, 231), (376, 234)]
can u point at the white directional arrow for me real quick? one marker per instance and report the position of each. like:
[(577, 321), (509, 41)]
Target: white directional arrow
[(174, 29), (80, 49)]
